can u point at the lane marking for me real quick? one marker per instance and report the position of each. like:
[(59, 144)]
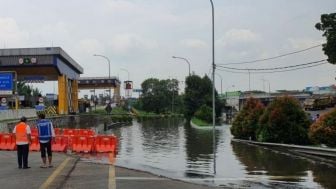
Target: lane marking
[(140, 178), (112, 178), (52, 177)]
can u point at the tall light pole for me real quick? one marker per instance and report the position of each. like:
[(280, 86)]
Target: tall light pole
[(109, 69), (128, 74), (186, 60), (213, 84)]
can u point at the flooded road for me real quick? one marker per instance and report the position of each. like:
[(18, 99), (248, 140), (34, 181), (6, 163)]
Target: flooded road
[(172, 149)]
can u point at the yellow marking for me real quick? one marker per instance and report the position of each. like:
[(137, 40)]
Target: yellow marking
[(112, 180), (54, 174)]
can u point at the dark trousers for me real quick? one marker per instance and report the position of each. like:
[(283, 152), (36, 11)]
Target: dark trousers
[(43, 147), (22, 154)]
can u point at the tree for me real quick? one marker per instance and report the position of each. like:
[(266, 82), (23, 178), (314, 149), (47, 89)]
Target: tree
[(328, 26), (323, 131), (245, 124), (198, 92), (284, 121), (27, 91), (158, 95)]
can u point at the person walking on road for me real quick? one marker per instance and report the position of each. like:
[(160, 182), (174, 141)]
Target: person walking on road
[(46, 135), (22, 134)]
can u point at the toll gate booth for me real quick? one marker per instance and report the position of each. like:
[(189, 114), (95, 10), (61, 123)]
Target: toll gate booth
[(36, 65), (101, 83)]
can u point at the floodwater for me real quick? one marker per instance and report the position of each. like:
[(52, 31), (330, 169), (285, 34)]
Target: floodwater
[(172, 149)]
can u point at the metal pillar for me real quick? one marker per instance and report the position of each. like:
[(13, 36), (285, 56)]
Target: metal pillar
[(62, 95), (74, 95)]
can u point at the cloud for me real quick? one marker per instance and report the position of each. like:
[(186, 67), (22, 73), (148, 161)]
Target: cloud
[(302, 43), (90, 46), (126, 42), (236, 37), (10, 33), (193, 43)]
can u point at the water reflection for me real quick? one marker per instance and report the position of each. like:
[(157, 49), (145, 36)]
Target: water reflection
[(265, 162), (170, 148)]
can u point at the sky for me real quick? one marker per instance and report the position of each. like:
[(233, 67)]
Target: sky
[(141, 36)]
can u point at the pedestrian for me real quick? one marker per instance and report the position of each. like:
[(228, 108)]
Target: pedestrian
[(46, 135), (22, 134)]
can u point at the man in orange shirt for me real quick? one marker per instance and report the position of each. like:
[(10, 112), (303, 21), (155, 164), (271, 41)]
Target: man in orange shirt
[(23, 139)]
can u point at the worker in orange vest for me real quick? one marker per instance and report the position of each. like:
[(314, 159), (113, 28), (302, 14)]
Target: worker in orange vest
[(22, 135)]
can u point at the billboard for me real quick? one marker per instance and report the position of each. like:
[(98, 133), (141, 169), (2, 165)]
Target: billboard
[(6, 83)]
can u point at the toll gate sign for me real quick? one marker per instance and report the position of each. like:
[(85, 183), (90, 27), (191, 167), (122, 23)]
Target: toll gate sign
[(6, 83)]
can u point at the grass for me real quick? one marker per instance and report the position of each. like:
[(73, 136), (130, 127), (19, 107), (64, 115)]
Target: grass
[(200, 122)]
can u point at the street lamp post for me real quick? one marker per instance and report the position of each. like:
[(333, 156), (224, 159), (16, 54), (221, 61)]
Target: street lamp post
[(213, 84), (186, 60), (109, 69), (123, 69)]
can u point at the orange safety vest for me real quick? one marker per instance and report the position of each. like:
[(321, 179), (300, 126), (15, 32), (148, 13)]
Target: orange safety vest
[(21, 132)]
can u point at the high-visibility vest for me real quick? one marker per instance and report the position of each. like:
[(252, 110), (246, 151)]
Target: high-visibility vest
[(21, 132), (44, 129)]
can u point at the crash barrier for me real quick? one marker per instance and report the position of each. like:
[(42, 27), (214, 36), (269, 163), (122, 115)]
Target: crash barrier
[(77, 140), (7, 141), (82, 144), (106, 143), (35, 144)]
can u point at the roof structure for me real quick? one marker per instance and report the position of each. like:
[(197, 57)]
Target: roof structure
[(45, 63)]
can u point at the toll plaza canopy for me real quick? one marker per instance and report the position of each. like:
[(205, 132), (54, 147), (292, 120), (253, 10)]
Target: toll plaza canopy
[(101, 83), (37, 65), (98, 82)]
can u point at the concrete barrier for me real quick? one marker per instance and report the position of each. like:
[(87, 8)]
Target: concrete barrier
[(16, 114)]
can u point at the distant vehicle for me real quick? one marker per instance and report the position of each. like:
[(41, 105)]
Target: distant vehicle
[(319, 102)]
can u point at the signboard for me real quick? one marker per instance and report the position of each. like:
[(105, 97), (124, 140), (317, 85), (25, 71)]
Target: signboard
[(137, 90), (39, 107), (6, 83)]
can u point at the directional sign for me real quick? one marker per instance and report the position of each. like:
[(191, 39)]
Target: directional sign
[(6, 83)]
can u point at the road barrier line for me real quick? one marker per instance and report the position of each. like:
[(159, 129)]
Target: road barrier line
[(52, 177), (112, 180)]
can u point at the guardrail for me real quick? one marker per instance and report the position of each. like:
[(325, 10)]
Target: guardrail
[(316, 151)]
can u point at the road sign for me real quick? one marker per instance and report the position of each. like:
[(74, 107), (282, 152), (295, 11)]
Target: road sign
[(6, 83)]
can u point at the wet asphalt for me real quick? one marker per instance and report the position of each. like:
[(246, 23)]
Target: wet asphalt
[(70, 171)]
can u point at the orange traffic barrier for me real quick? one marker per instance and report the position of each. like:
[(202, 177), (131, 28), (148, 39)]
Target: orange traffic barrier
[(60, 144), (86, 132), (7, 141), (34, 131), (82, 144), (69, 132), (106, 143), (57, 131), (35, 144)]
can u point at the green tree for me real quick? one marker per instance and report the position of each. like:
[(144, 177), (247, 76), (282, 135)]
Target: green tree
[(28, 92), (158, 95), (245, 124), (284, 121), (198, 92), (328, 26)]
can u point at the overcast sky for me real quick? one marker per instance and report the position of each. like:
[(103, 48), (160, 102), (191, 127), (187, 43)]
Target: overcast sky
[(143, 35)]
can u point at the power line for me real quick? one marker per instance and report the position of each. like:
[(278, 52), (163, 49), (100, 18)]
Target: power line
[(265, 72), (271, 58), (275, 68)]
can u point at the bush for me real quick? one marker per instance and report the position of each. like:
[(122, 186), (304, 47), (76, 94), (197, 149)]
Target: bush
[(245, 124), (204, 113), (323, 131), (284, 121)]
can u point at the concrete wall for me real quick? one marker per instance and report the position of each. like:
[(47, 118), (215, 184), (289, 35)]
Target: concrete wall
[(16, 114)]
